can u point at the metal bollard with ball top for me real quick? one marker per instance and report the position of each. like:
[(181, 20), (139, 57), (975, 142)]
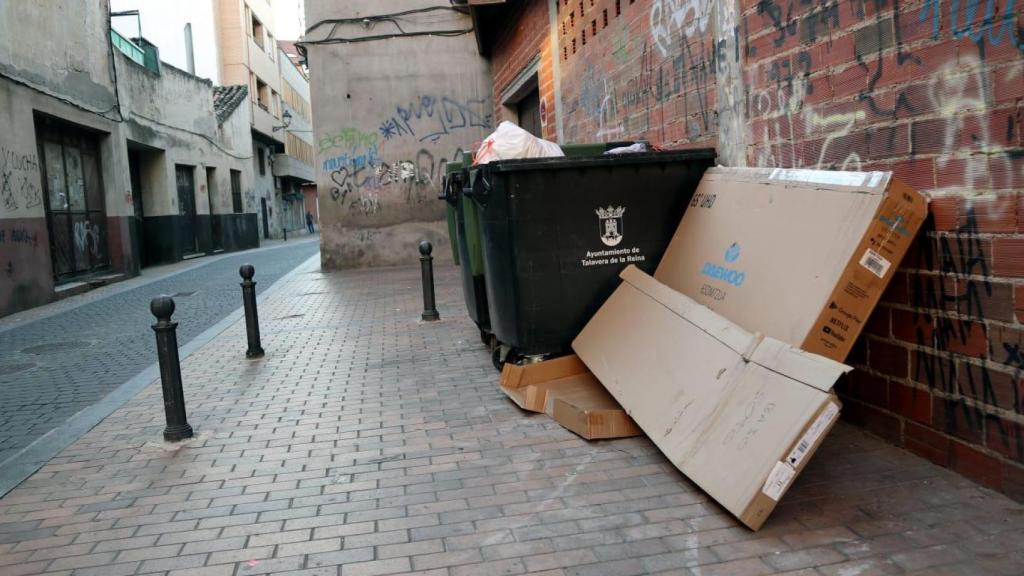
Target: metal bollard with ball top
[(427, 268), (177, 427), (252, 321)]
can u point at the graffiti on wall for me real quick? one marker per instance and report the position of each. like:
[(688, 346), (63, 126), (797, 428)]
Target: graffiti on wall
[(938, 95), (989, 22), (87, 238), (363, 167), (359, 186), (19, 236), (660, 87), (688, 18), (428, 118), (19, 180)]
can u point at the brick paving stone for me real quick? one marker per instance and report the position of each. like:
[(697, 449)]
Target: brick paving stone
[(118, 342), (376, 567), (367, 442)]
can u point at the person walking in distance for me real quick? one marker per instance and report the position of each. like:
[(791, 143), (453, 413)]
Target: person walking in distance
[(309, 222)]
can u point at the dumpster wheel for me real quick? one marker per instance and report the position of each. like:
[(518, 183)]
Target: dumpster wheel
[(502, 355)]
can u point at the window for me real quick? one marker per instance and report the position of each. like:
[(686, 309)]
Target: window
[(257, 32), (263, 162), (297, 103), (262, 94), (236, 191), (271, 47), (299, 148), (274, 107)]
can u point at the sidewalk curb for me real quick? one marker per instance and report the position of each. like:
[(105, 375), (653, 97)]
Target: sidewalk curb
[(22, 464), (59, 306)]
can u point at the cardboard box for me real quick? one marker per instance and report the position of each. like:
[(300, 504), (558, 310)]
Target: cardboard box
[(740, 414), (564, 389), (798, 255)]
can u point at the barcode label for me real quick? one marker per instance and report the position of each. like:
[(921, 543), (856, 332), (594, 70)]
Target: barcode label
[(875, 262), (778, 480), (796, 455)]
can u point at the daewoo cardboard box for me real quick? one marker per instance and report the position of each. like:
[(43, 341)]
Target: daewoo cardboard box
[(738, 413), (564, 389), (798, 255)]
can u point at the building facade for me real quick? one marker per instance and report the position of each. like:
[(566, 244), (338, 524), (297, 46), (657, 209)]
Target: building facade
[(233, 42), (932, 91), (111, 161), (294, 168), (392, 106)]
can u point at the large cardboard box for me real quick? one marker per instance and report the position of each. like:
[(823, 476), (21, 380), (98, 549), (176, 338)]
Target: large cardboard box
[(798, 255), (740, 414), (564, 389)]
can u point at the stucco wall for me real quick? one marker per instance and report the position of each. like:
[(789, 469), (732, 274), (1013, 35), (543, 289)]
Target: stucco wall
[(173, 112), (50, 48), (389, 115)]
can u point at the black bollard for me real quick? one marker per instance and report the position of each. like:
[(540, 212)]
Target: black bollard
[(170, 371), (427, 266), (252, 321), (284, 232)]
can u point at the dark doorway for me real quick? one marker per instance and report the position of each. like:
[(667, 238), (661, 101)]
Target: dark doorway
[(135, 173), (266, 219), (212, 195), (75, 208), (528, 110), (185, 176)]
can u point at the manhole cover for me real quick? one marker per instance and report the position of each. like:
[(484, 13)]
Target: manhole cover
[(56, 347), (8, 369), (182, 294)]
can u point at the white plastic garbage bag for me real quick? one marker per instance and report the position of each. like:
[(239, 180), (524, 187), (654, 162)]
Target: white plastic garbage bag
[(631, 149), (510, 141)]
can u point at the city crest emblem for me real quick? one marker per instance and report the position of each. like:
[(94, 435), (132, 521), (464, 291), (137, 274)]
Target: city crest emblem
[(610, 224)]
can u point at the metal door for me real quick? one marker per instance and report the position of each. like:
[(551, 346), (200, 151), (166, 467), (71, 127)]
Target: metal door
[(211, 192), (75, 211), (135, 174), (185, 176), (528, 110), (266, 221)]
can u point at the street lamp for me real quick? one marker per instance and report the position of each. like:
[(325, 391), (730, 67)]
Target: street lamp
[(286, 120)]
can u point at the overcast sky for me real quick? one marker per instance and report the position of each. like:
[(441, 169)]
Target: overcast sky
[(288, 19)]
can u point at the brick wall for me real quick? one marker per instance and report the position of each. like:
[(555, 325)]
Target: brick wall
[(525, 38), (931, 90)]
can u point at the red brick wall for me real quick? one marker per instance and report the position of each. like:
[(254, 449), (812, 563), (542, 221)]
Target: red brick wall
[(933, 90), (525, 37)]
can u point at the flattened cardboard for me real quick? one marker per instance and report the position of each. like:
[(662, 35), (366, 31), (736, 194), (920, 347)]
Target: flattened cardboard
[(564, 389), (726, 406), (798, 255), (516, 376)]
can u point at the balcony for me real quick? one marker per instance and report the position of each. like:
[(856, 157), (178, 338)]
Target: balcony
[(286, 166), (148, 57)]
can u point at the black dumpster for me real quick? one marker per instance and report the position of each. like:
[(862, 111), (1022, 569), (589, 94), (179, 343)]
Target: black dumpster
[(557, 232), (465, 235)]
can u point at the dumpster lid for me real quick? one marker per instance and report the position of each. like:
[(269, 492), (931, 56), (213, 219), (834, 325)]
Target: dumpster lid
[(602, 160)]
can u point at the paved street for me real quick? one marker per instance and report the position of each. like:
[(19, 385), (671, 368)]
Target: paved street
[(367, 442), (52, 367)]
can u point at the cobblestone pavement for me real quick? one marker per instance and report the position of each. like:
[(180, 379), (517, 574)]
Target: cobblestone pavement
[(52, 367), (367, 443)]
